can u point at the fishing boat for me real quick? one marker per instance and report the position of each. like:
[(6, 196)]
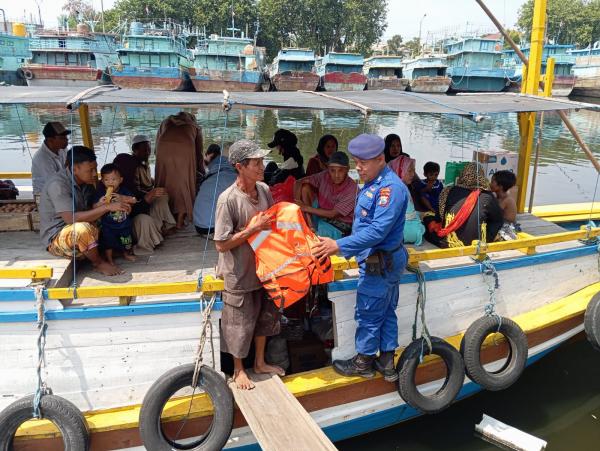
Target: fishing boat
[(564, 79), (294, 70), (153, 57), (69, 58), (385, 72), (341, 72), (14, 51), (475, 65), (227, 62), (107, 341), (587, 70), (427, 73)]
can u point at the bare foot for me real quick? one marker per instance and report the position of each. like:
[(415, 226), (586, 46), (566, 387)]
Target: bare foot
[(242, 381), (169, 231), (266, 368), (108, 269), (128, 257)]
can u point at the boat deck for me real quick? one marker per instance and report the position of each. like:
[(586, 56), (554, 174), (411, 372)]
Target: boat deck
[(180, 258)]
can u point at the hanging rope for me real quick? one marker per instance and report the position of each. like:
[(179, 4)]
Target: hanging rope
[(420, 307), (73, 223), (110, 136), (493, 283), (23, 139), (41, 389)]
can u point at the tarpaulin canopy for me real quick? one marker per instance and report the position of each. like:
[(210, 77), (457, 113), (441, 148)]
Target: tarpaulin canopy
[(365, 101)]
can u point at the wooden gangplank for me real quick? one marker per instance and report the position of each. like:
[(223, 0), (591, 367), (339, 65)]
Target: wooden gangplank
[(277, 419)]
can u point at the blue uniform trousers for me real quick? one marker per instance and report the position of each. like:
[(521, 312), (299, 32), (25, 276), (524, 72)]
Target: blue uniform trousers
[(376, 322)]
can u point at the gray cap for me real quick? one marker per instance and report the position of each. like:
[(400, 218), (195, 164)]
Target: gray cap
[(339, 159), (243, 149)]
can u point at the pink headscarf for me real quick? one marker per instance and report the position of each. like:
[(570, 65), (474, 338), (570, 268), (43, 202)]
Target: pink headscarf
[(400, 165)]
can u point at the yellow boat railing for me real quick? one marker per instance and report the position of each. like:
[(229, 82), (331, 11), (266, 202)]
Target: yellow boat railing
[(33, 273)]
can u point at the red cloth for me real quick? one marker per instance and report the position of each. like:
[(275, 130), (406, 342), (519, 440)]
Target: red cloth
[(284, 191), (461, 216)]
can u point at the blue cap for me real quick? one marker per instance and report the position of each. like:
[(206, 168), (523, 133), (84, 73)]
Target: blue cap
[(366, 146)]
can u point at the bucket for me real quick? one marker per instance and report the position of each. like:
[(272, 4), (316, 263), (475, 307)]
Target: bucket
[(453, 170)]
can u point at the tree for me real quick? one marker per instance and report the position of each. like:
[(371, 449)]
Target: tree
[(393, 44), (413, 46), (515, 35)]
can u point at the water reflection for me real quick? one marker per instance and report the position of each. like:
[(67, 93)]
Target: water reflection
[(426, 137)]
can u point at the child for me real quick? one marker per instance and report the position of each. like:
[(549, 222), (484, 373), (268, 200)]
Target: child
[(501, 182), (430, 187), (115, 233)]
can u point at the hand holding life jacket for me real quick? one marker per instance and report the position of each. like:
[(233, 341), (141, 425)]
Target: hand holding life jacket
[(284, 261)]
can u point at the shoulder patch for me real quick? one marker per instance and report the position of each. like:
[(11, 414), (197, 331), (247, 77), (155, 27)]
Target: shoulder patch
[(385, 195)]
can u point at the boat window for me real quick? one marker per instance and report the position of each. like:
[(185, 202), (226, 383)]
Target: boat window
[(62, 44), (164, 60), (155, 60), (60, 58), (72, 58), (144, 59)]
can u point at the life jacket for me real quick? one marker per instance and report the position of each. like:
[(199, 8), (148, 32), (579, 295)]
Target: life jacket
[(284, 261)]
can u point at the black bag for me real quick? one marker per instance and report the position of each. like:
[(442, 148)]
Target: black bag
[(8, 190)]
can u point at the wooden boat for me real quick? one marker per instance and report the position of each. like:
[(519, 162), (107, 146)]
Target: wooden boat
[(427, 74), (587, 70), (152, 58), (69, 58), (294, 70), (385, 72), (14, 51), (341, 72), (475, 65), (108, 342)]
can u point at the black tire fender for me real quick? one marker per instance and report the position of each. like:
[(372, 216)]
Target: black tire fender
[(64, 414), (407, 368), (27, 74), (592, 321), (170, 382), (470, 348)]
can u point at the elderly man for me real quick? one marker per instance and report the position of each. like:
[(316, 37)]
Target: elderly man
[(67, 233), (335, 192), (50, 157), (376, 241), (246, 314)]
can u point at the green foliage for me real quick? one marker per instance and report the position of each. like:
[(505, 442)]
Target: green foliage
[(394, 44), (515, 35), (569, 21), (413, 46)]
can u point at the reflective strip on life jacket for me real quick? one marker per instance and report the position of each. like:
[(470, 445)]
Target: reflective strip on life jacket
[(259, 239)]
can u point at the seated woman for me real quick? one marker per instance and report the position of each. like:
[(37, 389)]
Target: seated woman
[(468, 212), (393, 147), (414, 229), (327, 145), (285, 142), (336, 196)]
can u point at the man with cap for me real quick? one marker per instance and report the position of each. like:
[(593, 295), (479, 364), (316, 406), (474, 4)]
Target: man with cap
[(246, 315), (293, 162), (335, 192), (376, 242), (50, 157)]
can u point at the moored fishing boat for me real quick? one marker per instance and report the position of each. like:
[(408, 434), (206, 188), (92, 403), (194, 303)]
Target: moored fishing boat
[(69, 58), (341, 72), (427, 73), (587, 70), (152, 57), (104, 358), (475, 65), (385, 72), (294, 70), (14, 51), (227, 62)]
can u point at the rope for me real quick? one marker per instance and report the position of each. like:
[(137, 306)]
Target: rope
[(23, 139), (420, 306), (110, 136), (73, 232), (493, 283), (41, 389), (206, 332)]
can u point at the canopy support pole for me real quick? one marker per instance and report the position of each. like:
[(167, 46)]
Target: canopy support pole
[(84, 123), (530, 85), (363, 108)]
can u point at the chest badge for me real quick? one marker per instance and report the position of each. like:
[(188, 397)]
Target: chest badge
[(364, 213), (385, 195), (369, 194)]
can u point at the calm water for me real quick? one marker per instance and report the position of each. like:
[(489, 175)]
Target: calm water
[(565, 175)]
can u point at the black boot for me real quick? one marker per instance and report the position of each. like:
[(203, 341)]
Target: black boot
[(359, 365), (385, 365)]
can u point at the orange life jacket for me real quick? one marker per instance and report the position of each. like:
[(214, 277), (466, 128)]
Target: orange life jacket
[(284, 261)]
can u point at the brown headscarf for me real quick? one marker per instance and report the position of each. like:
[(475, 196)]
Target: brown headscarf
[(472, 177)]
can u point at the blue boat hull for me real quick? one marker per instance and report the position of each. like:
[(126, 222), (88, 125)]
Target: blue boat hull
[(162, 78), (466, 79), (231, 80)]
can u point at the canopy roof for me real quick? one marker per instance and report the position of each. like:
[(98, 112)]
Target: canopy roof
[(367, 101)]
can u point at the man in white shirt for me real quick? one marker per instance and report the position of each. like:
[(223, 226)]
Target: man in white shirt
[(50, 157)]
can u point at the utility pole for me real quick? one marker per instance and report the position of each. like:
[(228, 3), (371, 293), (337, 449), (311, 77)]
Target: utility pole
[(102, 14), (420, 25)]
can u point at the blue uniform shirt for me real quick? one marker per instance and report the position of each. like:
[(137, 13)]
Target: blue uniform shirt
[(378, 217)]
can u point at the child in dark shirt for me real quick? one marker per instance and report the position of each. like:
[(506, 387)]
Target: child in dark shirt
[(430, 187), (116, 227), (502, 181)]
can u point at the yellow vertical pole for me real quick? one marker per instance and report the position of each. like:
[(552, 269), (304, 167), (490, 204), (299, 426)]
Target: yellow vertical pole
[(549, 77), (531, 86), (84, 122)]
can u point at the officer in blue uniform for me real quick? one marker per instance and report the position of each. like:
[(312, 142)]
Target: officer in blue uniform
[(376, 242)]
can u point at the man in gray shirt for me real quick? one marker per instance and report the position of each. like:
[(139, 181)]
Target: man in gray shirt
[(50, 157), (66, 224)]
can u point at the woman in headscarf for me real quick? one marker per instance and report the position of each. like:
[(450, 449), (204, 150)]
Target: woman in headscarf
[(468, 211), (414, 229), (393, 147), (328, 144), (178, 161)]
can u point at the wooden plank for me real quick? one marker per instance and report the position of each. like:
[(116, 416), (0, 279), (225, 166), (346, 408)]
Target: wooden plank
[(36, 272), (277, 419)]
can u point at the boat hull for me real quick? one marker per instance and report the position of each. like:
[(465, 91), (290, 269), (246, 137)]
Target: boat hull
[(339, 81), (159, 78), (397, 84), (562, 86), (295, 81), (430, 85), (43, 75), (231, 80), (587, 86), (12, 77), (465, 79)]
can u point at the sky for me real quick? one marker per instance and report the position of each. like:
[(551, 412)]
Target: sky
[(404, 16)]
